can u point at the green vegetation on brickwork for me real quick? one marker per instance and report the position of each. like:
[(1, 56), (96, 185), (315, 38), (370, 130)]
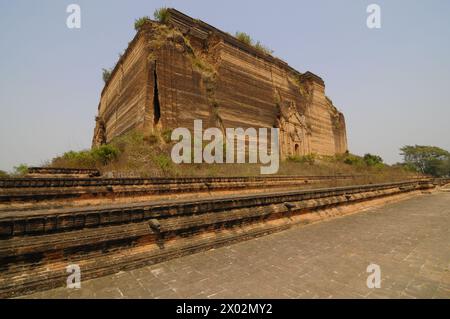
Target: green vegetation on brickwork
[(244, 37), (139, 23), (94, 158), (161, 15), (136, 155), (263, 48), (106, 75), (247, 39)]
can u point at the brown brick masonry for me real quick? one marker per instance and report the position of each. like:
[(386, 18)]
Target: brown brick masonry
[(41, 189), (61, 171), (36, 246)]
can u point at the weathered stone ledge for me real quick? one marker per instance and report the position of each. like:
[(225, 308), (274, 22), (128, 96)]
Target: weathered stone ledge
[(34, 255), (44, 221)]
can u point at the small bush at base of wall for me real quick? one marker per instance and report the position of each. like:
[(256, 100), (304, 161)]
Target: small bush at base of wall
[(93, 158)]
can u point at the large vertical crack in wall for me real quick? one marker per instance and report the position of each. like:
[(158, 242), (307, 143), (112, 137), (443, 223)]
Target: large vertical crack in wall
[(156, 104)]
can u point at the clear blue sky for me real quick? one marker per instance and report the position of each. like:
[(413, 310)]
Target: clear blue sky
[(393, 84)]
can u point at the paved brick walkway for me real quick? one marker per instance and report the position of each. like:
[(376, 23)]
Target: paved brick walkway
[(409, 240)]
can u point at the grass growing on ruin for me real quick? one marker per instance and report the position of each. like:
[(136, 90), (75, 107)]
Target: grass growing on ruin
[(244, 37), (133, 155), (247, 39), (261, 47), (163, 34), (139, 23), (106, 75), (94, 158), (162, 15)]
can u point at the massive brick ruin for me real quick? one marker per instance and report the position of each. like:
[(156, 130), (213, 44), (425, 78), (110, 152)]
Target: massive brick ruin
[(185, 69)]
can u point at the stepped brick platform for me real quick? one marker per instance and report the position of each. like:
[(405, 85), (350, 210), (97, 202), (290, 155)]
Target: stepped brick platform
[(45, 189), (441, 181), (36, 246), (52, 171)]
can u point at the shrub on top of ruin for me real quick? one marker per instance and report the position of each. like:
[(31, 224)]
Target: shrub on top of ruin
[(247, 39), (264, 49), (161, 15), (3, 174), (106, 74), (244, 37), (139, 23)]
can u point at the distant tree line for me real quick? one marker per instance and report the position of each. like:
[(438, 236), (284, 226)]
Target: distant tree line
[(429, 160)]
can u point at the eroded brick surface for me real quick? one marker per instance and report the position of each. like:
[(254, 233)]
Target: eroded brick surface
[(409, 240), (157, 85)]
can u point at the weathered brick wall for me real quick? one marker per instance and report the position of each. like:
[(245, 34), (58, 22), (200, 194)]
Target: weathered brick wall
[(182, 96), (123, 99), (241, 87)]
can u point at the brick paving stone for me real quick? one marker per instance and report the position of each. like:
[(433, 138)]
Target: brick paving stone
[(409, 240)]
